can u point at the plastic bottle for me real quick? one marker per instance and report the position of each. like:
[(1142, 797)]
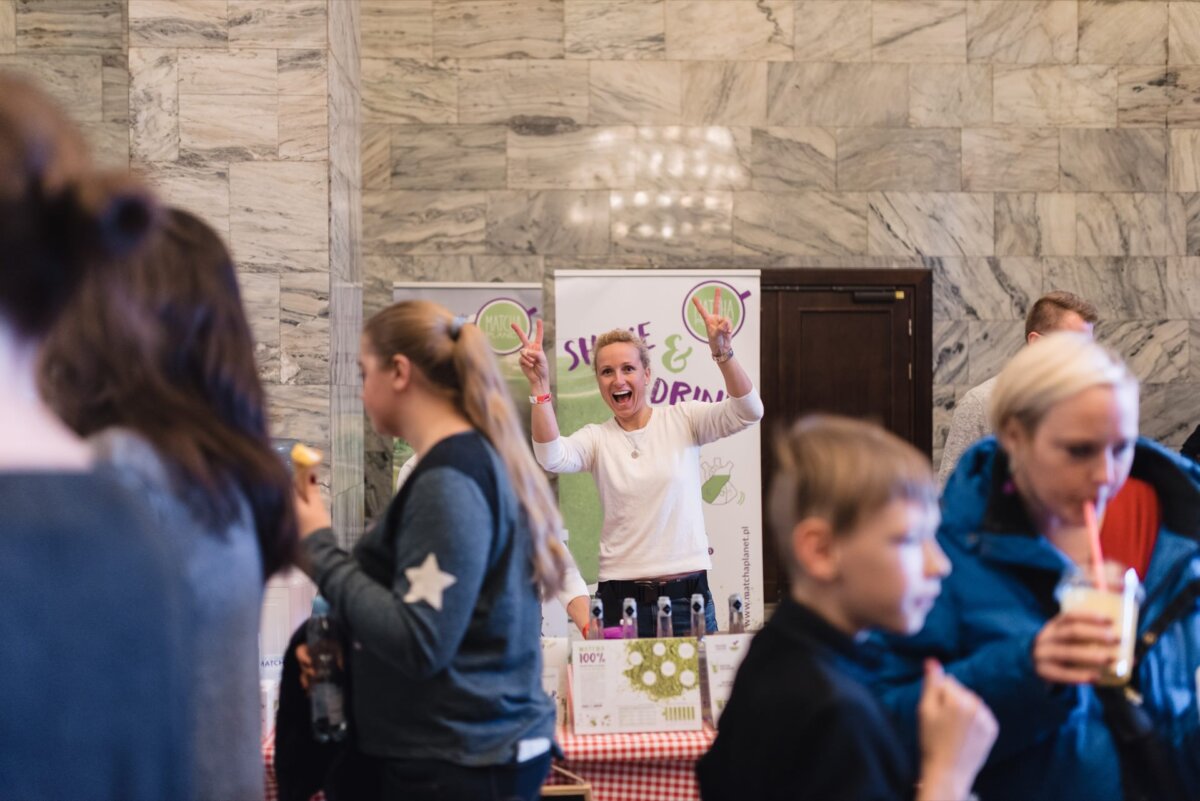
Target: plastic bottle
[(665, 626), (737, 620), (595, 629), (327, 690), (699, 626), (629, 621)]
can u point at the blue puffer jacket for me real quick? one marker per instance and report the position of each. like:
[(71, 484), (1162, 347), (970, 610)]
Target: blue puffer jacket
[(1053, 742)]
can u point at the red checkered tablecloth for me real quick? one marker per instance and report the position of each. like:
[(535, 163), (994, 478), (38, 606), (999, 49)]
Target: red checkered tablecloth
[(658, 766), (653, 766)]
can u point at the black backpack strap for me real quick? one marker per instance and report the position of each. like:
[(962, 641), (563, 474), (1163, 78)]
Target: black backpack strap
[(1146, 770)]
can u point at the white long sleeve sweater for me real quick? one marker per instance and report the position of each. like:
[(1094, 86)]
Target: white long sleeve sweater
[(653, 514)]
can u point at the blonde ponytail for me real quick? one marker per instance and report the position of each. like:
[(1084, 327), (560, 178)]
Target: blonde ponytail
[(488, 405), (457, 359)]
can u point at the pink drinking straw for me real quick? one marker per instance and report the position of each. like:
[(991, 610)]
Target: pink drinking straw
[(1093, 530)]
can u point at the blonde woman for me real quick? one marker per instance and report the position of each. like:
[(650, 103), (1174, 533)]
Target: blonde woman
[(646, 463), (442, 597), (1066, 420)]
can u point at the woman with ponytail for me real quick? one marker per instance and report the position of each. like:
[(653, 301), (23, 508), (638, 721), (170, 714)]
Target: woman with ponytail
[(93, 702), (157, 370), (442, 598)]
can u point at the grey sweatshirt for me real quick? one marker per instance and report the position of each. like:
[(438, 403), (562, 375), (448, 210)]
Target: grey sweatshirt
[(970, 424), (443, 614)]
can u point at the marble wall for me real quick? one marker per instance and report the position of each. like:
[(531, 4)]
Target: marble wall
[(1010, 146), (246, 112)]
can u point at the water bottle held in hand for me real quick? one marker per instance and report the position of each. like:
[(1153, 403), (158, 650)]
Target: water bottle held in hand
[(328, 687)]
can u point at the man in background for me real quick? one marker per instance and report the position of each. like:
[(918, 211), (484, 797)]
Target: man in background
[(1054, 311)]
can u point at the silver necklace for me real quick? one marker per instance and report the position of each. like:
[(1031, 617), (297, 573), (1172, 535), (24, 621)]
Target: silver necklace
[(634, 438)]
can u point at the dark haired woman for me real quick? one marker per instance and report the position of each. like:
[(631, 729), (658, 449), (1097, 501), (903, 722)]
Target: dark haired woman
[(442, 597), (92, 702), (161, 377)]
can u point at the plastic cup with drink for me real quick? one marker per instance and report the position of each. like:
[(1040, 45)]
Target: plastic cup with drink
[(1109, 589)]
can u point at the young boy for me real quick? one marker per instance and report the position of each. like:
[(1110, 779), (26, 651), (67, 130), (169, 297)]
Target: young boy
[(853, 510)]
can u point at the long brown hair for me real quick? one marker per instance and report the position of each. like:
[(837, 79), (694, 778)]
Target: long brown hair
[(457, 359), (166, 351), (58, 216)]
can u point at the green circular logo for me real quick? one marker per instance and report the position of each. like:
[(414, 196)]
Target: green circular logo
[(732, 306), (495, 320)]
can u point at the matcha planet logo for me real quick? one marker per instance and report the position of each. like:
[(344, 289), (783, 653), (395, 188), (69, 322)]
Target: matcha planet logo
[(496, 318), (732, 306)]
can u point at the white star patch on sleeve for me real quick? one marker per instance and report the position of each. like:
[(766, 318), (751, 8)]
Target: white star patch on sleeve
[(427, 582)]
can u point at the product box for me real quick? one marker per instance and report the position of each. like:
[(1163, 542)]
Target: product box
[(723, 654), (636, 685), (556, 658)]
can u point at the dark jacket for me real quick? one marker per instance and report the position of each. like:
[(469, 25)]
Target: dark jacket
[(802, 724), (443, 614), (1054, 742)]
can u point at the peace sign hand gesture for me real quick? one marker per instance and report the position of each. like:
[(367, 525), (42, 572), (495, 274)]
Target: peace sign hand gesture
[(533, 359), (718, 328)]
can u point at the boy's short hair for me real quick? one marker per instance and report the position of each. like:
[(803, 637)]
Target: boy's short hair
[(1047, 310), (842, 470), (620, 335)]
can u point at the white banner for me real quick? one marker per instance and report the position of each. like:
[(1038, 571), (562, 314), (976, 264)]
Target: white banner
[(657, 305)]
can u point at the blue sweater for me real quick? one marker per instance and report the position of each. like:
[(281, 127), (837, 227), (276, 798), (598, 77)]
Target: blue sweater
[(1053, 743), (444, 615), (93, 701)]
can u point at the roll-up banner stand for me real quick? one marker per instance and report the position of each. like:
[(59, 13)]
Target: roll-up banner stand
[(657, 305)]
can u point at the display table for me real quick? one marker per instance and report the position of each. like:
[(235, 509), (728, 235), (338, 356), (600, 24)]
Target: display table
[(636, 767), (619, 767)]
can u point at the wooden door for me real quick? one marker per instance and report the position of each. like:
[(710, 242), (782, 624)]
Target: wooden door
[(851, 342)]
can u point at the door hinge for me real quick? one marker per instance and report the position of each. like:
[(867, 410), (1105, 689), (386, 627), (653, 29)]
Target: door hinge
[(910, 377), (910, 326)]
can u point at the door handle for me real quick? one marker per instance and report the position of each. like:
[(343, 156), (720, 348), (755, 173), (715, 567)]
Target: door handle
[(878, 295)]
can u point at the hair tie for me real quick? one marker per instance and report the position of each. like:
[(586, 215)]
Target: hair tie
[(455, 326)]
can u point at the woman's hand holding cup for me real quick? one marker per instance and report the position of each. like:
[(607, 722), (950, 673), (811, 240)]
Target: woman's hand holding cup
[(1074, 647)]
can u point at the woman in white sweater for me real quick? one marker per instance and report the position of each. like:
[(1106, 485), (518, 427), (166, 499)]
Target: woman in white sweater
[(646, 463)]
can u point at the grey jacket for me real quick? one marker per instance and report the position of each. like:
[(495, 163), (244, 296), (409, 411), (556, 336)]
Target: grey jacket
[(222, 603)]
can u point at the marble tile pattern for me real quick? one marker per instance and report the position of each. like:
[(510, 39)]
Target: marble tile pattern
[(1183, 33), (734, 30), (1126, 32), (919, 159), (931, 224), (1114, 160), (1010, 159), (833, 30), (615, 29), (502, 90), (918, 30), (670, 223), (1022, 31), (71, 25), (409, 90), (1035, 224), (950, 95), (1009, 146), (550, 221), (723, 92)]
